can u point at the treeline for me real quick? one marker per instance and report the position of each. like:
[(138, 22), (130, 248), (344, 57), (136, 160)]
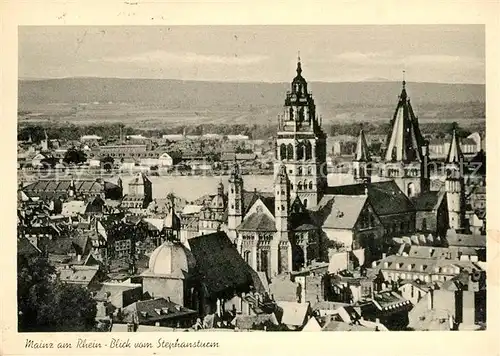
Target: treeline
[(112, 131)]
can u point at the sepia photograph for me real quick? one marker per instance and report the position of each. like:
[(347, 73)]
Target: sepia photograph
[(251, 178)]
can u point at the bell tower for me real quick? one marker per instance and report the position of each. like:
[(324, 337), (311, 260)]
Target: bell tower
[(235, 201), (454, 184), (406, 155), (301, 143), (361, 163), (281, 249)]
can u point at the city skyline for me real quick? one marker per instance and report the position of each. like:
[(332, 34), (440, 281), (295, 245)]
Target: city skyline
[(437, 53)]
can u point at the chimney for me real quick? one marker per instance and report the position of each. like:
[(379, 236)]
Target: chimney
[(384, 255), (79, 257)]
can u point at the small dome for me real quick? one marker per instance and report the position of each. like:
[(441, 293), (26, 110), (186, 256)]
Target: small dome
[(172, 259)]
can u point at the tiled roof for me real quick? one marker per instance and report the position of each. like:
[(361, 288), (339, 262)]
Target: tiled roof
[(385, 197), (248, 322), (334, 325), (26, 248), (339, 211), (221, 266), (257, 222), (249, 198), (428, 201), (292, 313), (454, 239), (78, 274), (150, 311)]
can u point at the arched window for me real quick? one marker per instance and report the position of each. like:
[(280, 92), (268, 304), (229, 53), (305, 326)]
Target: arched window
[(305, 203), (310, 185), (308, 150), (289, 151), (246, 256), (309, 170), (299, 186), (299, 170), (424, 224), (300, 151), (411, 190), (282, 151)]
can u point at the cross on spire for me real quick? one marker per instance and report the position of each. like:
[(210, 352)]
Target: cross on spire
[(404, 81)]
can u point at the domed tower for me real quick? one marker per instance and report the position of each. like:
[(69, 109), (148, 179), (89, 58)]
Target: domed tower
[(301, 143), (235, 201), (281, 251), (361, 163), (406, 155), (170, 271), (454, 184)]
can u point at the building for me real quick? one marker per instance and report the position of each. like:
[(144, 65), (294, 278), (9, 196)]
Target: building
[(454, 185), (407, 155), (140, 193), (72, 188), (301, 144), (431, 212), (206, 275)]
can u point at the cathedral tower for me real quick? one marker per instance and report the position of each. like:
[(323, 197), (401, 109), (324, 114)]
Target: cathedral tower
[(235, 201), (406, 155), (301, 143), (361, 169), (281, 249), (454, 184)]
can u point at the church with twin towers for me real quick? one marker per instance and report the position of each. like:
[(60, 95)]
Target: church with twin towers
[(303, 220)]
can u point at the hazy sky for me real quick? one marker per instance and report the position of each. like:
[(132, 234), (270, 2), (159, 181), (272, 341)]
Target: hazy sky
[(448, 54)]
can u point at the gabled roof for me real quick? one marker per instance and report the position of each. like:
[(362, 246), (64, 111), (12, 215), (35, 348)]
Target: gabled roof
[(385, 197), (249, 199), (221, 266), (153, 310), (78, 274), (257, 222), (339, 211), (454, 239), (428, 201), (293, 313)]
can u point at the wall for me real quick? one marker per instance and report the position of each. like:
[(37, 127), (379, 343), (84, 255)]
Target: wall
[(398, 224), (166, 288), (412, 293)]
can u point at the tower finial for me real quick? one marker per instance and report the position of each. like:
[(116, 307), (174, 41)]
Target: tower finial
[(299, 66), (404, 81)]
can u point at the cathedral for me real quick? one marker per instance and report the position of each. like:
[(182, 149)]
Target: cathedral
[(303, 220)]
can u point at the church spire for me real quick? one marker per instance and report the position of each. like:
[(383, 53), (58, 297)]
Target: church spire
[(362, 153), (405, 140), (455, 153)]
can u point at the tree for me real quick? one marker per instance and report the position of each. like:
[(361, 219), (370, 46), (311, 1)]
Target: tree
[(74, 156), (107, 163), (46, 304)]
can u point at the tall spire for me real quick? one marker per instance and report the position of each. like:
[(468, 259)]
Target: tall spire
[(405, 140), (455, 153), (362, 153)]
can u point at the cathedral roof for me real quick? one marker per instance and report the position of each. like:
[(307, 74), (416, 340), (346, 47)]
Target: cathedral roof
[(362, 153), (340, 211), (222, 268), (428, 201), (405, 142), (257, 222), (385, 197), (455, 153)]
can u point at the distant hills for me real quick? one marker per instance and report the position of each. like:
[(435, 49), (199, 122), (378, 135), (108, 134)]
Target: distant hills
[(176, 94)]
